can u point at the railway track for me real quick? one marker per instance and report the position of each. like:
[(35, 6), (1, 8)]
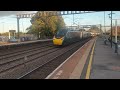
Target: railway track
[(15, 60), (12, 50), (42, 71), (23, 53), (19, 59), (21, 65)]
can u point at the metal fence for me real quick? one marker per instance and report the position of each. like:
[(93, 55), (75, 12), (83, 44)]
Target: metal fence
[(4, 38)]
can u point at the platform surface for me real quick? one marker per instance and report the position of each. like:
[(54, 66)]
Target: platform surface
[(72, 67), (105, 62)]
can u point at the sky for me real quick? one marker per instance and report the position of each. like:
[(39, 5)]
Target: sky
[(8, 19)]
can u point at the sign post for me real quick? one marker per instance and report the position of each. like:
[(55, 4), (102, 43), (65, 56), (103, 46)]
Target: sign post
[(13, 33), (9, 35), (116, 46), (18, 27)]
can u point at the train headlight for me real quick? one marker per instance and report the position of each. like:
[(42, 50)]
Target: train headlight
[(62, 38), (54, 38)]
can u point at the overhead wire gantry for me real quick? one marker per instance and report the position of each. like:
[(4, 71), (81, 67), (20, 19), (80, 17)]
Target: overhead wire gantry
[(48, 13)]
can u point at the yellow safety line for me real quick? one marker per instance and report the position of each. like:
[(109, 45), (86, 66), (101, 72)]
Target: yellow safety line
[(90, 63)]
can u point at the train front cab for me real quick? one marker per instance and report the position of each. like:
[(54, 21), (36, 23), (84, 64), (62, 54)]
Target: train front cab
[(58, 41), (59, 37)]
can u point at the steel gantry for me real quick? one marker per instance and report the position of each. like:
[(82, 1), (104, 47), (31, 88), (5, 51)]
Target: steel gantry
[(48, 13), (51, 13)]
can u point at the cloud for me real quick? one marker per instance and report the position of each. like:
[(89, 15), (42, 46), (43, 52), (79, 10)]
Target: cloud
[(8, 13)]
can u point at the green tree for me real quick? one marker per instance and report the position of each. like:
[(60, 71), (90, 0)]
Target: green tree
[(114, 29), (94, 29), (47, 25)]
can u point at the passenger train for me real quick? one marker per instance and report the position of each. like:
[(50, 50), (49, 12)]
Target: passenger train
[(67, 36)]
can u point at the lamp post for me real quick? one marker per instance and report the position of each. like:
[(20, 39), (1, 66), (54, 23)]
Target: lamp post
[(101, 30), (18, 27), (111, 29), (110, 16), (116, 48), (104, 25)]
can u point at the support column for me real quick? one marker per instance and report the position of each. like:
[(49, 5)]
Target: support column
[(18, 27), (111, 29), (9, 35), (116, 46)]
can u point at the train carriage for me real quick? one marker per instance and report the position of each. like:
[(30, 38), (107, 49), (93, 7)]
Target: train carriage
[(67, 36)]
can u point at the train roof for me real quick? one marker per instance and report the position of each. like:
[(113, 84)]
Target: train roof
[(71, 30)]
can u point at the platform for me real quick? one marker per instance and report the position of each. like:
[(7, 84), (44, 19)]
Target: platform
[(72, 67), (105, 62), (94, 60), (26, 42)]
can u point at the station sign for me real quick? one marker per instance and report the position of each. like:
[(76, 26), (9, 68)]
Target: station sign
[(12, 31)]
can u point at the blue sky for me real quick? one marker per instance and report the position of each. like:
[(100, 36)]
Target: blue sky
[(9, 22), (92, 18)]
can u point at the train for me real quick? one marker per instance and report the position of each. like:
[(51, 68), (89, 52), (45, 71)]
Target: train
[(69, 36)]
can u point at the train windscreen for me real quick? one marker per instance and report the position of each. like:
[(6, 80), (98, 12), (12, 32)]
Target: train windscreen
[(61, 33)]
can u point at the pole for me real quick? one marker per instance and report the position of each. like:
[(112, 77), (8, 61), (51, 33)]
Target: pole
[(18, 28), (116, 36), (111, 29), (9, 35), (73, 19), (14, 34), (101, 29), (3, 27), (116, 31), (104, 25)]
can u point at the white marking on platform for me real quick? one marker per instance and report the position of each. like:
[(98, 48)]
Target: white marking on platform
[(60, 72), (64, 62), (56, 77)]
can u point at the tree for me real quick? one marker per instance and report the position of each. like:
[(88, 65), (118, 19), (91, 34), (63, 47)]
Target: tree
[(47, 25), (113, 30), (94, 29)]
